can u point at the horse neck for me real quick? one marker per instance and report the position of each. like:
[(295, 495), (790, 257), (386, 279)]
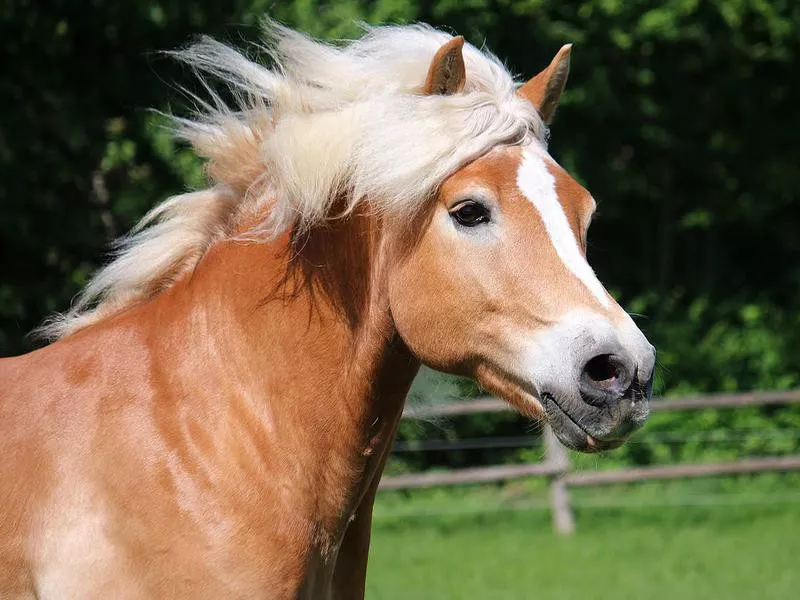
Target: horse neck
[(299, 335)]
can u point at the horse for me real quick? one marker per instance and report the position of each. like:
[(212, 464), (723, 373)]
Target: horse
[(214, 412)]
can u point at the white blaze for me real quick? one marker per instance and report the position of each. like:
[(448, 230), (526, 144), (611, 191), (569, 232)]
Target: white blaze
[(539, 186)]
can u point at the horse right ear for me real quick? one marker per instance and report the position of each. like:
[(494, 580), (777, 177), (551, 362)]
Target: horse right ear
[(447, 74)]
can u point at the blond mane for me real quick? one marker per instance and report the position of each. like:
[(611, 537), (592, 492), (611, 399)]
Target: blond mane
[(319, 123)]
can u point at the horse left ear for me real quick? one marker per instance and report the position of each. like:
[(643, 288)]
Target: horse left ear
[(447, 74), (544, 90)]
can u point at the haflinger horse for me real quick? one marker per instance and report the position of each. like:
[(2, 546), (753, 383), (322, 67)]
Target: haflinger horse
[(215, 415)]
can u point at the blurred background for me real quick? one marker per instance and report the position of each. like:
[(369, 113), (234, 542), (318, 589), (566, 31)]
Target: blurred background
[(681, 117)]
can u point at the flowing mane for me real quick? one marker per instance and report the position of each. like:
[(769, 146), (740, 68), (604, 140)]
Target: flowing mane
[(320, 123)]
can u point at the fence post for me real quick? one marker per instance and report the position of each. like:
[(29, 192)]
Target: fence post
[(556, 455)]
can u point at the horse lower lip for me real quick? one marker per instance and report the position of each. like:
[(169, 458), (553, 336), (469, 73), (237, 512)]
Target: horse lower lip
[(579, 438)]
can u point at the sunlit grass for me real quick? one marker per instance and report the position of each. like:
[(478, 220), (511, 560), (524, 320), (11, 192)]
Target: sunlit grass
[(727, 540)]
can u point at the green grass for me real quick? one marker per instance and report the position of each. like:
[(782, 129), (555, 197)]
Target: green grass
[(746, 548)]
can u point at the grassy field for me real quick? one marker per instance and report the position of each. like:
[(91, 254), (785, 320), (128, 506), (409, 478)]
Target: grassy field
[(745, 548)]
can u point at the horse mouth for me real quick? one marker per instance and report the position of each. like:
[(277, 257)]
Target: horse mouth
[(569, 430), (577, 424)]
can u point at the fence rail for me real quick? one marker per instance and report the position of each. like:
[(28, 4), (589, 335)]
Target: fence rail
[(556, 465), (473, 475), (749, 465)]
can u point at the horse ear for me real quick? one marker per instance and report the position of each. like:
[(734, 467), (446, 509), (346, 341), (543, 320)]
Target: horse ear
[(544, 90), (447, 74)]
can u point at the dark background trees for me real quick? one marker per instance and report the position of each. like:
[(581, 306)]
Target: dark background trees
[(680, 118)]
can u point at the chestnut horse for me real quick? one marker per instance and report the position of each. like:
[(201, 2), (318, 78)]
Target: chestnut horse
[(215, 415)]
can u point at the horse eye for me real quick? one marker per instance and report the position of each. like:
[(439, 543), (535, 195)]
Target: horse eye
[(470, 213)]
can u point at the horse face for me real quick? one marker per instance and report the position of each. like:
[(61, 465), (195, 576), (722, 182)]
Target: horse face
[(496, 286)]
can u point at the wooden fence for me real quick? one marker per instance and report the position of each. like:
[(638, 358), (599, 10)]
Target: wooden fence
[(556, 464)]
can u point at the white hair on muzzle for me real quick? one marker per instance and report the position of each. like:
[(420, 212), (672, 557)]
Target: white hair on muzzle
[(319, 126)]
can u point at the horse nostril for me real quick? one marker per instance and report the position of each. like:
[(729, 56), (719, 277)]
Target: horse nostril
[(605, 377), (602, 368)]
